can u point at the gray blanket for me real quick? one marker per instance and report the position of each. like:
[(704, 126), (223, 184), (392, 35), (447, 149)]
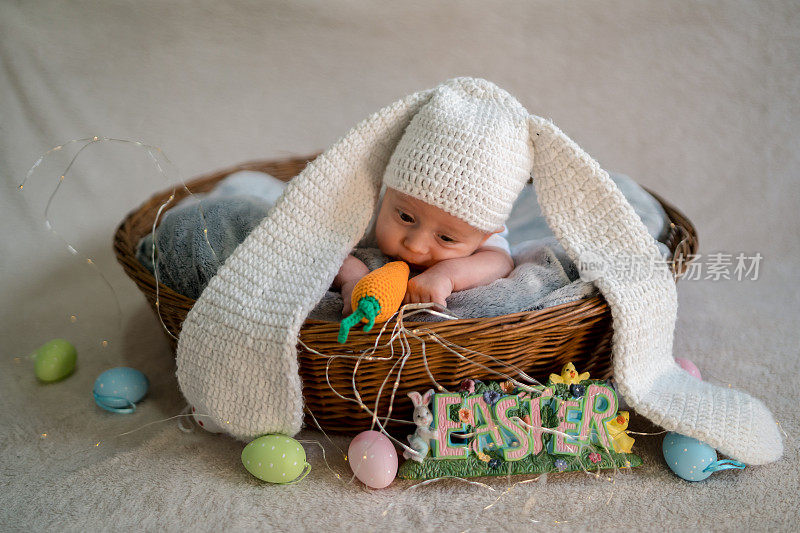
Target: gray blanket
[(543, 276)]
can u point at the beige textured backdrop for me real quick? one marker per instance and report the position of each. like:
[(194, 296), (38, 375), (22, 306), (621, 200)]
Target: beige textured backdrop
[(696, 100)]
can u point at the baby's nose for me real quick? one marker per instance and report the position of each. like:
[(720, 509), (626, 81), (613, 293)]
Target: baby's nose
[(415, 242)]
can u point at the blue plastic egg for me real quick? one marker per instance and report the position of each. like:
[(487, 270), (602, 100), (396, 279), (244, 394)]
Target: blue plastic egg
[(687, 457), (119, 389)]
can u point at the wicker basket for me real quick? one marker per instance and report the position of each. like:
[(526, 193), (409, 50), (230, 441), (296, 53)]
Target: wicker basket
[(538, 342)]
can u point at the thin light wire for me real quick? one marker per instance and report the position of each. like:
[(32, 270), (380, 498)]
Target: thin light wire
[(150, 149)]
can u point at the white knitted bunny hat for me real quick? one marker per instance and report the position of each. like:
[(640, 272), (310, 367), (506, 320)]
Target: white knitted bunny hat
[(466, 154), (236, 354)]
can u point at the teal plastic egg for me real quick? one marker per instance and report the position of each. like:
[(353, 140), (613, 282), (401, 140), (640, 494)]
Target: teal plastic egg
[(54, 360), (119, 389), (688, 457), (275, 458)]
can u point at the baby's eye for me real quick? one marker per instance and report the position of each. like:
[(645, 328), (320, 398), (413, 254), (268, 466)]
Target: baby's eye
[(446, 238), (405, 217)]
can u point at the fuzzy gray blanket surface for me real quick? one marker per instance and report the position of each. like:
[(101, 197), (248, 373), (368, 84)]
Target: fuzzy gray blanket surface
[(543, 276)]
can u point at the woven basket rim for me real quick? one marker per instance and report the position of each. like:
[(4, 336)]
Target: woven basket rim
[(121, 251)]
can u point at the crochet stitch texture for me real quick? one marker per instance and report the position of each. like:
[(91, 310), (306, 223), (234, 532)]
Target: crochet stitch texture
[(468, 152), (236, 354)]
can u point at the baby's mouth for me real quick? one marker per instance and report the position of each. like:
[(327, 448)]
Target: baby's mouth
[(412, 265), (416, 269)]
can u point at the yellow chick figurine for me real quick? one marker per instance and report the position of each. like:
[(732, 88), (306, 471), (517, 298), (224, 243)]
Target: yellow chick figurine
[(619, 437), (569, 376)]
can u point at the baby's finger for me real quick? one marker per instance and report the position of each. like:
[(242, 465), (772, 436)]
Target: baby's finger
[(424, 297), (428, 296)]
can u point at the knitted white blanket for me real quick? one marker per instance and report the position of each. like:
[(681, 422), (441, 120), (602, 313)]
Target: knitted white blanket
[(236, 354)]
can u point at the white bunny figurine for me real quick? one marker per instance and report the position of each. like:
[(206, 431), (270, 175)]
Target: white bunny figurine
[(420, 440)]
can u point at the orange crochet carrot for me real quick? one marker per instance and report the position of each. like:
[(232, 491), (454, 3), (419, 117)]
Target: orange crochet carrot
[(376, 297)]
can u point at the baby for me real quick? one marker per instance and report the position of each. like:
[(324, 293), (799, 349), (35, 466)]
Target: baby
[(445, 253)]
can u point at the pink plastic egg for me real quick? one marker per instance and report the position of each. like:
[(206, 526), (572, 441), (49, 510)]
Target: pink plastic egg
[(373, 459), (690, 367)]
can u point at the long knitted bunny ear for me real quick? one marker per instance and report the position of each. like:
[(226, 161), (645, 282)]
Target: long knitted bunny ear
[(592, 220), (236, 353)]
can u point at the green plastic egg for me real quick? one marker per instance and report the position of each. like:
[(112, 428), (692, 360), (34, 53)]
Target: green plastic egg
[(55, 360), (275, 458)]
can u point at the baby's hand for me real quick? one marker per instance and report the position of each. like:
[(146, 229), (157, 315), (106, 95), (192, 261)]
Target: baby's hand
[(430, 286), (351, 271), (347, 294)]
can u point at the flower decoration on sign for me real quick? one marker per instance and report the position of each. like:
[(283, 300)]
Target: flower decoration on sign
[(560, 465), (468, 385), (491, 397), (577, 390), (595, 457), (507, 387), (483, 457), (465, 415)]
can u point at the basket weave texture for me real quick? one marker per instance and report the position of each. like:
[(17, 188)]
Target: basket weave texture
[(537, 342)]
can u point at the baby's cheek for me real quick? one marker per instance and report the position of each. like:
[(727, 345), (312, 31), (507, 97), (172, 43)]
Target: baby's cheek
[(454, 253), (386, 243)]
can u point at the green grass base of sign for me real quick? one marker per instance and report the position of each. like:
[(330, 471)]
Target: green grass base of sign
[(531, 464)]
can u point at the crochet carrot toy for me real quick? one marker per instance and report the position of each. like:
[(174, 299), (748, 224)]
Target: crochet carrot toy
[(376, 297)]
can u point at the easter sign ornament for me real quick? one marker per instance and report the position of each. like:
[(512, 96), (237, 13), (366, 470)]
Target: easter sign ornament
[(497, 429)]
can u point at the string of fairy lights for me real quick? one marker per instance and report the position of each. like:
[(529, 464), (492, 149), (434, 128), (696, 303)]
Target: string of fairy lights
[(399, 335), (151, 153)]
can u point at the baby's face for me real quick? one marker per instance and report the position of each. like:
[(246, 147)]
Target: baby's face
[(421, 234)]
